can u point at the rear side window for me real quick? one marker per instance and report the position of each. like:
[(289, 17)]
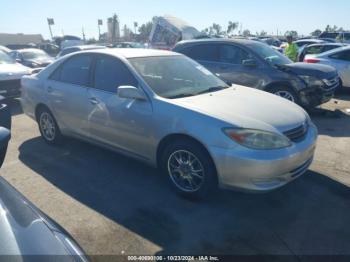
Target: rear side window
[(110, 73), (232, 54), (313, 50), (329, 47), (344, 55), (205, 52), (76, 70)]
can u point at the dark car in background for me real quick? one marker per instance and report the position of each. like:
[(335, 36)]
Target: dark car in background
[(28, 234), (315, 49), (32, 57), (254, 64), (343, 37)]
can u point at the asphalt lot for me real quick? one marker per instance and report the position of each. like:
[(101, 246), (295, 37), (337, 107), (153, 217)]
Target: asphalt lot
[(115, 205)]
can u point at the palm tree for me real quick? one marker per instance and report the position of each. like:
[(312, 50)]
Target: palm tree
[(232, 26)]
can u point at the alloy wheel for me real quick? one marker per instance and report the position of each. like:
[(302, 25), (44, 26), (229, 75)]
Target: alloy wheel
[(47, 126), (285, 94), (186, 171)]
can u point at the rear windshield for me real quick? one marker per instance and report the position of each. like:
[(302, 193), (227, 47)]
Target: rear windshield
[(5, 58)]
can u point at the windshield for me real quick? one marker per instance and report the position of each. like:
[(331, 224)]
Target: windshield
[(35, 54), (176, 76), (272, 56), (5, 58)]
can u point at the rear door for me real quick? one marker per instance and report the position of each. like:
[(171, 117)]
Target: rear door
[(67, 93), (205, 54), (341, 60), (118, 122)]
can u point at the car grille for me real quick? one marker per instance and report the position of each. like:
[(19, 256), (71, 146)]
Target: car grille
[(331, 83), (297, 134), (9, 88)]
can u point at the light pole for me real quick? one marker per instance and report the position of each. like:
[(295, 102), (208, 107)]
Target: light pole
[(99, 23), (50, 22)]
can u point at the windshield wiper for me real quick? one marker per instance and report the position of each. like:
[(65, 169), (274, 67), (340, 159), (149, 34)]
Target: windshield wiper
[(212, 89), (181, 95)]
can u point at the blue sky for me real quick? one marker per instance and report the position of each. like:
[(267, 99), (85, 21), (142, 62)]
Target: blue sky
[(24, 16)]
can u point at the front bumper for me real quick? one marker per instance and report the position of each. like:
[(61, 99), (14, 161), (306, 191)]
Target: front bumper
[(263, 170), (317, 95)]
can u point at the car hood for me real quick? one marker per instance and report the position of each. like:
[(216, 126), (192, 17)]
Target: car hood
[(13, 71), (246, 107), (23, 230), (319, 71), (41, 61)]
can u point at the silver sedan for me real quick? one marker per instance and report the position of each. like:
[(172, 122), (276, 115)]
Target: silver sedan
[(165, 109), (339, 58)]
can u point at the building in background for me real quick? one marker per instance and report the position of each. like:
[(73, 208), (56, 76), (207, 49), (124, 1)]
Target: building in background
[(113, 27), (20, 39)]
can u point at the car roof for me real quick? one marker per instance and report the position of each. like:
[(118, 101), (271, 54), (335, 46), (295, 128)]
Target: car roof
[(84, 47), (327, 44), (29, 50), (240, 41), (309, 40), (336, 50), (132, 52)]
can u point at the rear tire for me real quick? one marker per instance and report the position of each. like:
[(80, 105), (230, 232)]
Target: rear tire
[(286, 93), (2, 155), (48, 127), (189, 168)]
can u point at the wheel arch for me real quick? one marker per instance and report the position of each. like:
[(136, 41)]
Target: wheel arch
[(39, 107), (272, 85), (179, 136)]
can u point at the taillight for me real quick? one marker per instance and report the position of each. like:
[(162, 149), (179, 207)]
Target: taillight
[(311, 60)]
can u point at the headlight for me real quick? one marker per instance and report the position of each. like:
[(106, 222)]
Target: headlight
[(33, 64), (312, 81), (257, 139)]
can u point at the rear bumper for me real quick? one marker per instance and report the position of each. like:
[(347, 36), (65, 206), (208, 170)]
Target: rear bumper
[(264, 170), (10, 88), (5, 115)]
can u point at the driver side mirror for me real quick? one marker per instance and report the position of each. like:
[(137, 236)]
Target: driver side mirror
[(131, 92), (18, 60), (250, 63)]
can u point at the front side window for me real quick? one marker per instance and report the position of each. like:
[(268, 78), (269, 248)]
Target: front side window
[(313, 50), (110, 73), (270, 55), (233, 54), (76, 70), (176, 76)]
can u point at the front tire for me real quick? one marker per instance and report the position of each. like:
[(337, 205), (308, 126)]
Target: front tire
[(286, 93), (189, 168), (48, 127)]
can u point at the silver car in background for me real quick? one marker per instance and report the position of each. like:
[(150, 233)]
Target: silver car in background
[(167, 110), (339, 58)]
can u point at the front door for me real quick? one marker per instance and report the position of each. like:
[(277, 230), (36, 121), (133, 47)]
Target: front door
[(118, 122)]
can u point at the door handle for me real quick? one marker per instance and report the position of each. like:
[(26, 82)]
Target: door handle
[(94, 101)]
